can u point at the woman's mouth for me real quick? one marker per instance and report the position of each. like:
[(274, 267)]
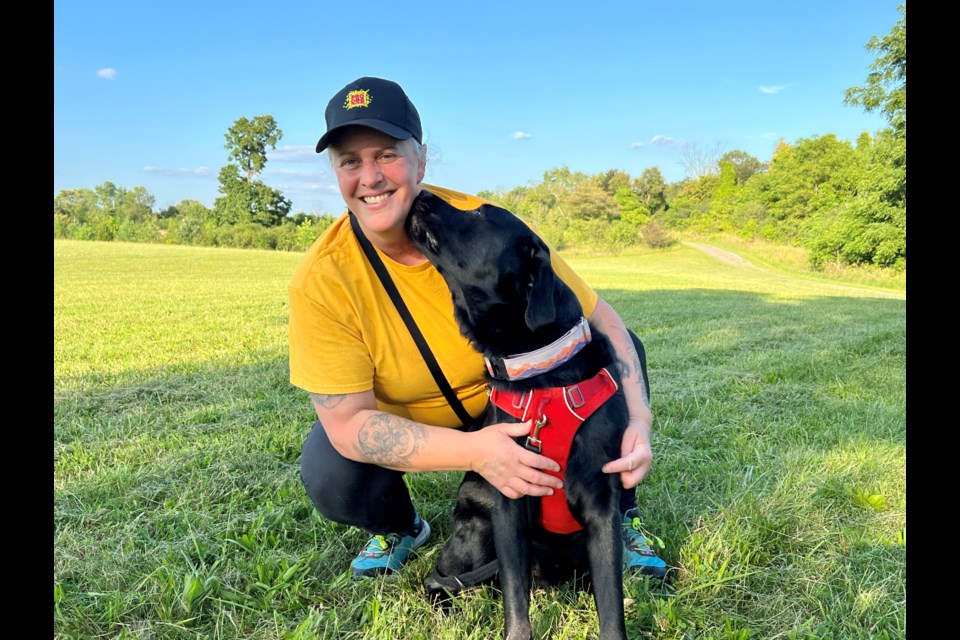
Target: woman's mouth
[(375, 199)]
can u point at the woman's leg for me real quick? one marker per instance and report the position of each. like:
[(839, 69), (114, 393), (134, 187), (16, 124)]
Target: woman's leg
[(354, 493)]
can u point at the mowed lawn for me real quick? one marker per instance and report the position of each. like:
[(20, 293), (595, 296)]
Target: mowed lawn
[(778, 488)]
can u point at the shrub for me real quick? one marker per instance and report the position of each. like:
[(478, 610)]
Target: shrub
[(656, 235)]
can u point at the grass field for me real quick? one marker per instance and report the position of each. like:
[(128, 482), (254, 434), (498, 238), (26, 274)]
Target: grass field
[(778, 487)]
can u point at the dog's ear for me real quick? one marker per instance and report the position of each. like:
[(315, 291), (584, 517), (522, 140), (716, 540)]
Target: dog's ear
[(540, 309)]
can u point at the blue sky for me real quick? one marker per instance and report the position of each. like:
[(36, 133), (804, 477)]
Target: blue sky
[(145, 91)]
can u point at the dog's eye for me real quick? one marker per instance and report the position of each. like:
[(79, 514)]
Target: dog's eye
[(432, 242)]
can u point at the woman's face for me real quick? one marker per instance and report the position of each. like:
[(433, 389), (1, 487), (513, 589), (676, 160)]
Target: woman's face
[(379, 176)]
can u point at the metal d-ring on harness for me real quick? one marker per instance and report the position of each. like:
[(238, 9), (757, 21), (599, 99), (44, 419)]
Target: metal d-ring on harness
[(534, 443)]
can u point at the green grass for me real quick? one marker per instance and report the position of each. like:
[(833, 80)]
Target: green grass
[(778, 488)]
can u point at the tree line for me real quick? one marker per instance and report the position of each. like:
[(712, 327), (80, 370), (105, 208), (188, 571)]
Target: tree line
[(247, 214), (845, 202)]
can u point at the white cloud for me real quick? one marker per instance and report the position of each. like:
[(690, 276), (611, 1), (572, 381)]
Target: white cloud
[(660, 140), (520, 135), (198, 171), (772, 90), (293, 153), (295, 173), (107, 73)]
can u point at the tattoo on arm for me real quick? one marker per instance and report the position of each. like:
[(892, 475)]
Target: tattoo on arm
[(631, 369), (327, 401), (389, 440)]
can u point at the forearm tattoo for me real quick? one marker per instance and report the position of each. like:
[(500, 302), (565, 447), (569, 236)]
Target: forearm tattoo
[(327, 401), (388, 440), (631, 369)]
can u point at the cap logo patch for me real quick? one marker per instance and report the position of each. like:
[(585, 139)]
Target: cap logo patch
[(359, 98)]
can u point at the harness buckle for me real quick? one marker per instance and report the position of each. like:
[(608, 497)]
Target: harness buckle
[(575, 396), (534, 443)]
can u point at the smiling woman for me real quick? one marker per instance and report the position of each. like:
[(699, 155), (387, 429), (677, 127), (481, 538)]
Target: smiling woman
[(380, 411), (379, 177)]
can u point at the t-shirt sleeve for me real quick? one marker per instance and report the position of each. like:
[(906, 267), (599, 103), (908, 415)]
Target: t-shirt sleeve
[(327, 352)]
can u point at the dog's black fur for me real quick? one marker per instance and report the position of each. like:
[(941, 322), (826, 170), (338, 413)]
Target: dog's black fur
[(508, 300)]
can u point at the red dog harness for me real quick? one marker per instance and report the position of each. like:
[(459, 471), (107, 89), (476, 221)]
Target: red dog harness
[(557, 413)]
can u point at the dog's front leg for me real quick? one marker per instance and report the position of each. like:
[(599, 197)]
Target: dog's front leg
[(511, 536), (605, 554)]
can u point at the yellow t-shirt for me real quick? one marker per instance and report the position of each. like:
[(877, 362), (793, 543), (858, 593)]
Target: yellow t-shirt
[(346, 335)]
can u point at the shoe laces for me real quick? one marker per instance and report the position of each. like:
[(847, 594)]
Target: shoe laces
[(637, 537), (380, 544)]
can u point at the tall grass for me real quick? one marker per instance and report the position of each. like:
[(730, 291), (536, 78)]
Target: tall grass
[(778, 486)]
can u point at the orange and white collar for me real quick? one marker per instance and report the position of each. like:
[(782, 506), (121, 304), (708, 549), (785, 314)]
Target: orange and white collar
[(532, 363)]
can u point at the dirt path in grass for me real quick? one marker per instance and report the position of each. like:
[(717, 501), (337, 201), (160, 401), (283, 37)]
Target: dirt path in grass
[(728, 257), (721, 254)]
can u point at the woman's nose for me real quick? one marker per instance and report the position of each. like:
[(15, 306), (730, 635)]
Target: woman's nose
[(370, 174)]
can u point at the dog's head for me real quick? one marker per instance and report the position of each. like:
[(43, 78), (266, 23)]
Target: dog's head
[(505, 293)]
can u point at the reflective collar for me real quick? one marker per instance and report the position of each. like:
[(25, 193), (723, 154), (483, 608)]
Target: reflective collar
[(532, 363)]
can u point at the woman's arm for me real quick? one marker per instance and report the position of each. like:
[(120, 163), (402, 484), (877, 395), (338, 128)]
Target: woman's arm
[(358, 430), (636, 456)]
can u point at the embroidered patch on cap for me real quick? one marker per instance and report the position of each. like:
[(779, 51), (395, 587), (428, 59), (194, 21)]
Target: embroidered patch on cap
[(359, 98)]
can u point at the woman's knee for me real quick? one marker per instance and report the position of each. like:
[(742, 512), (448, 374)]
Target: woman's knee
[(319, 465)]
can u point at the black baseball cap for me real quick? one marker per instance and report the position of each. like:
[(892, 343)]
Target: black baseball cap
[(376, 103)]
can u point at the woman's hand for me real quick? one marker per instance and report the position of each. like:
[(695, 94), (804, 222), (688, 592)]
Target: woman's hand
[(636, 456), (509, 467)]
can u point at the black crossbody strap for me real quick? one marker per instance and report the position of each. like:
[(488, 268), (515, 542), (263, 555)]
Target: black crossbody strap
[(465, 418)]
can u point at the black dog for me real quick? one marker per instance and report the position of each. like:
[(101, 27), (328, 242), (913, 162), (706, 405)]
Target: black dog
[(508, 300)]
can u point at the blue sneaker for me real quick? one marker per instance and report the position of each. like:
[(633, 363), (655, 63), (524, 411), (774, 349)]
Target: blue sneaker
[(637, 554), (386, 553)]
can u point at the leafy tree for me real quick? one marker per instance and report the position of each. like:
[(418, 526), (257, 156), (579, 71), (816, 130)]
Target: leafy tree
[(613, 180), (75, 204), (233, 207), (193, 224), (109, 197), (724, 199), (871, 229), (813, 175), (247, 141), (745, 166), (651, 188), (245, 200), (588, 201), (137, 205), (886, 86), (559, 183), (169, 212), (632, 210)]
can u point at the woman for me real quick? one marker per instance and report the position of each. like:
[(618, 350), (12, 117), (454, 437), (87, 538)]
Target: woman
[(380, 412)]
